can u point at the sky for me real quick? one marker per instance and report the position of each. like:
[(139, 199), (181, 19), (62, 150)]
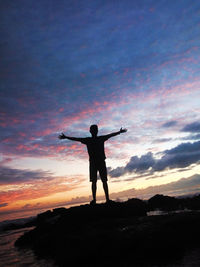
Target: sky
[(68, 64)]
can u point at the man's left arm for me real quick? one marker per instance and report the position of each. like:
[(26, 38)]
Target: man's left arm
[(115, 133)]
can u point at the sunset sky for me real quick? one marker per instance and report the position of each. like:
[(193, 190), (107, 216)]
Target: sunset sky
[(68, 64)]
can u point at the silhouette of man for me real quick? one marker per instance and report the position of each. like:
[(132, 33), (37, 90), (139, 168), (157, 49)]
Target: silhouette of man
[(95, 148)]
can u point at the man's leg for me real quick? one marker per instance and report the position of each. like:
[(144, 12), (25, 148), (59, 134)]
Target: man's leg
[(93, 179), (94, 190), (103, 175), (105, 187)]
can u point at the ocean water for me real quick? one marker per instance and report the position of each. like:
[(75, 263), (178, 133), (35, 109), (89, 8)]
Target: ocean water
[(12, 256)]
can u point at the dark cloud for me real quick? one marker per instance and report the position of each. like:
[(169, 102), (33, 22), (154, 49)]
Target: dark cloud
[(140, 164), (15, 176), (136, 164), (184, 148), (3, 205), (180, 156), (169, 124), (191, 137), (119, 171), (193, 127)]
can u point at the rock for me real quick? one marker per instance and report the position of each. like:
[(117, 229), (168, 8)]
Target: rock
[(167, 203), (18, 224), (192, 203), (164, 203), (118, 234)]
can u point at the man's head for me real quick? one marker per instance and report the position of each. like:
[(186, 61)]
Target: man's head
[(94, 130)]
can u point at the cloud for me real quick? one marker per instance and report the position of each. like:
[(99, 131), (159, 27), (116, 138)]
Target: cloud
[(16, 176), (191, 137), (140, 164), (117, 172), (5, 161), (3, 205), (169, 124), (190, 185), (17, 184), (193, 127), (161, 140), (184, 148), (136, 164), (27, 206), (31, 206), (33, 189), (38, 137), (78, 200), (180, 156)]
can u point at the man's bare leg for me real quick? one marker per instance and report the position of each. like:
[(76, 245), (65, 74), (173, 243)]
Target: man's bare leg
[(105, 187), (94, 190)]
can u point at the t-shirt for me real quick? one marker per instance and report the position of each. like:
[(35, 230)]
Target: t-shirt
[(95, 147)]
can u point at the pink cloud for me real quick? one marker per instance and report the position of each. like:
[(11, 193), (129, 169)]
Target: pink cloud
[(152, 9), (40, 189), (83, 75), (6, 160), (23, 141), (22, 134)]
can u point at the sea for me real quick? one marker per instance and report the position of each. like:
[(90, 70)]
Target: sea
[(12, 256)]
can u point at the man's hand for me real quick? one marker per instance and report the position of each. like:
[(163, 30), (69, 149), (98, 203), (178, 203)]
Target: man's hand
[(62, 136), (123, 130)]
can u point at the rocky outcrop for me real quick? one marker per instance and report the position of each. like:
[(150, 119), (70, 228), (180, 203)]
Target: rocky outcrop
[(119, 234), (167, 203), (162, 202)]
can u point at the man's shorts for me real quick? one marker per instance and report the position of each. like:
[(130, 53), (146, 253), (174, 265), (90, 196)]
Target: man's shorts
[(98, 166)]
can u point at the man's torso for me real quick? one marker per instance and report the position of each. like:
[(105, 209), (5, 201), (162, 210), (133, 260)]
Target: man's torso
[(95, 147)]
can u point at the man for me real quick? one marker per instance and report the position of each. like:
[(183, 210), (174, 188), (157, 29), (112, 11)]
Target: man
[(95, 148)]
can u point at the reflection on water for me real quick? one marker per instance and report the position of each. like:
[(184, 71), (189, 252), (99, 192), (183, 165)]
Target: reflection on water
[(11, 256), (13, 215), (161, 212)]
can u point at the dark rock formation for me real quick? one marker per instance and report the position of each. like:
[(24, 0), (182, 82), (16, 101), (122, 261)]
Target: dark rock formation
[(119, 234), (165, 203), (191, 203)]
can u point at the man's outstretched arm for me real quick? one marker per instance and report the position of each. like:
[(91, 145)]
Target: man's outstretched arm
[(116, 133), (63, 136)]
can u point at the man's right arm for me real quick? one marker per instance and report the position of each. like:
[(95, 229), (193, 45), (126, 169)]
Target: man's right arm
[(63, 136)]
